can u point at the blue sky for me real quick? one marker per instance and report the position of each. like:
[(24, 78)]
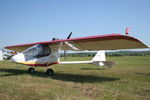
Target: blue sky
[(27, 21)]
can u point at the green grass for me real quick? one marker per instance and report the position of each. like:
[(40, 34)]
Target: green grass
[(128, 80)]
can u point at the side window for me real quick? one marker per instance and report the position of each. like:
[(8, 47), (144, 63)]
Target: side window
[(29, 54), (37, 51), (46, 50)]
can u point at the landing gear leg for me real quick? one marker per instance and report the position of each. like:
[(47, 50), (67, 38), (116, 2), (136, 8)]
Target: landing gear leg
[(31, 70), (50, 72)]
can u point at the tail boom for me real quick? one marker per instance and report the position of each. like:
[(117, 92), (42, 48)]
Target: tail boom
[(99, 59)]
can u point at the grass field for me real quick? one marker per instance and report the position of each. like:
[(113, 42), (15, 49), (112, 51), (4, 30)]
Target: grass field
[(129, 80)]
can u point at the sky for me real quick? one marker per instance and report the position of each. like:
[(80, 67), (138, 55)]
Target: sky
[(29, 21)]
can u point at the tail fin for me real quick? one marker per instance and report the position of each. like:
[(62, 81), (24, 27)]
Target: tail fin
[(100, 60), (100, 56)]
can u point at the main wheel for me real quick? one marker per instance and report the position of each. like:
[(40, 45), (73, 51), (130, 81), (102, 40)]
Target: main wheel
[(50, 72), (31, 70)]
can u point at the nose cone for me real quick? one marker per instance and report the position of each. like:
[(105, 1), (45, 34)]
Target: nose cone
[(18, 58)]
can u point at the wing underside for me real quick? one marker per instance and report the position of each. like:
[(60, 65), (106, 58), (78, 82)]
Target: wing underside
[(105, 42)]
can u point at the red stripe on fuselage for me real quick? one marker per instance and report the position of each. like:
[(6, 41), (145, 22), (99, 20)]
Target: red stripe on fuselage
[(42, 65)]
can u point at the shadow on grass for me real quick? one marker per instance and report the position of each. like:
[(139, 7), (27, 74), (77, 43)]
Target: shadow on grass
[(144, 74), (82, 78), (93, 68), (13, 72), (61, 76)]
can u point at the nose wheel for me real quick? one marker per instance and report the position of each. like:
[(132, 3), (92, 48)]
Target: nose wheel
[(31, 70), (50, 72)]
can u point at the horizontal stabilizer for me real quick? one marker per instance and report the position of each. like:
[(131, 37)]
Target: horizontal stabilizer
[(109, 64)]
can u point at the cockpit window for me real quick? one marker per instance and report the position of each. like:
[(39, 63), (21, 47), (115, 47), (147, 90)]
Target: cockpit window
[(37, 51)]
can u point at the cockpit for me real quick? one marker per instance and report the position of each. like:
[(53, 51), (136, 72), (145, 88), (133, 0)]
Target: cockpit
[(37, 51)]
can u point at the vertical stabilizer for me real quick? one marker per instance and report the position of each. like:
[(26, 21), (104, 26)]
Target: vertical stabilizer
[(100, 56), (100, 60)]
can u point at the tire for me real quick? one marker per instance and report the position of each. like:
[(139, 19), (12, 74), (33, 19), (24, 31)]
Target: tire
[(31, 70), (50, 72)]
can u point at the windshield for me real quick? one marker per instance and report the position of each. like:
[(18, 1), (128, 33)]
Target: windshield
[(37, 51)]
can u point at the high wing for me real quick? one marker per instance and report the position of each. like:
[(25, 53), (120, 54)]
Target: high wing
[(101, 42)]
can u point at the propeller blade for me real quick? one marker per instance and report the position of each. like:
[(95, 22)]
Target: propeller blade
[(65, 56), (69, 35)]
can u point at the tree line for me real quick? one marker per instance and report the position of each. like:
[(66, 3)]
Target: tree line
[(116, 53)]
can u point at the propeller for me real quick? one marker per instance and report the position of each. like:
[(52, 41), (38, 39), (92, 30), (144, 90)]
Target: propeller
[(69, 35), (66, 50)]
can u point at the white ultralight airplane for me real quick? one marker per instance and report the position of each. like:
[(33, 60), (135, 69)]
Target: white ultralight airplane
[(44, 54)]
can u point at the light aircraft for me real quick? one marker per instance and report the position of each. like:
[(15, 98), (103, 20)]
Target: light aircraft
[(44, 54)]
